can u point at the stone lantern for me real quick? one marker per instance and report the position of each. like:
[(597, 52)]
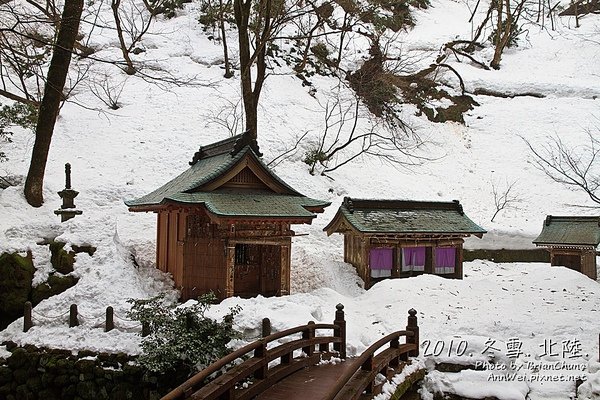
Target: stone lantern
[(67, 209)]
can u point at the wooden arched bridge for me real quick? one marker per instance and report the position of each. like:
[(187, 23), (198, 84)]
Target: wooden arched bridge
[(296, 369)]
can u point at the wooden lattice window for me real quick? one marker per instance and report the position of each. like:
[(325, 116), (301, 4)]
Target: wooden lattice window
[(242, 254), (245, 178)]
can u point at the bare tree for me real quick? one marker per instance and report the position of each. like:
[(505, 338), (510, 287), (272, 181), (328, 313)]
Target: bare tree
[(506, 23), (505, 197), (133, 21), (215, 16), (321, 13), (55, 82), (288, 152), (230, 117), (107, 90), (343, 140), (573, 166), (258, 23), (22, 58)]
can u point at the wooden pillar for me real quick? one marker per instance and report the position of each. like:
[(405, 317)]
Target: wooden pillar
[(340, 332), (397, 261), (266, 327), (429, 260), (414, 328), (110, 323), (458, 269), (346, 247), (551, 250), (229, 271), (158, 233), (309, 334), (588, 263), (284, 287), (365, 251), (73, 321)]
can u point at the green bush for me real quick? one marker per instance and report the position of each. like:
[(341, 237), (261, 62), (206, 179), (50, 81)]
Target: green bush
[(182, 335)]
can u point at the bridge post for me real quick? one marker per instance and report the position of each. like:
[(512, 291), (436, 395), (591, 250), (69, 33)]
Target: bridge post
[(266, 327), (110, 322), (261, 352), (414, 328), (309, 334), (340, 331), (368, 366), (395, 344), (73, 321)]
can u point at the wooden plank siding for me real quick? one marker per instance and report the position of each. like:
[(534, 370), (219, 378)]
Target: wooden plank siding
[(204, 259), (578, 259)]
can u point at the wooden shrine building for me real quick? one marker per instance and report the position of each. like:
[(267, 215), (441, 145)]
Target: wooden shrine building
[(398, 238), (572, 242), (224, 224)]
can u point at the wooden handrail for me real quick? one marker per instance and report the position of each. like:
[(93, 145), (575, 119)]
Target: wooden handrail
[(181, 390), (366, 360), (262, 356), (360, 362), (298, 329)]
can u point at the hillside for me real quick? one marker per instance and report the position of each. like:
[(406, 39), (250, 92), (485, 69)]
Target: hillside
[(125, 153)]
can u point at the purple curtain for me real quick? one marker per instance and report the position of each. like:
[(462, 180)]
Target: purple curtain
[(445, 257), (381, 258), (414, 256)]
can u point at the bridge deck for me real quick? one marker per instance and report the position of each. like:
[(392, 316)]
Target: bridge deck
[(309, 383)]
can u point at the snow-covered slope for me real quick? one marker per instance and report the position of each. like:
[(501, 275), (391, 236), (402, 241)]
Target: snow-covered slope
[(116, 155)]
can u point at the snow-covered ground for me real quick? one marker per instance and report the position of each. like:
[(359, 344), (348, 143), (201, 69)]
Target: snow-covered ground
[(122, 154)]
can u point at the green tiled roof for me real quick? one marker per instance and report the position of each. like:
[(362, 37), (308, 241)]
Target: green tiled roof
[(570, 231), (201, 172), (215, 160), (251, 205), (401, 216)]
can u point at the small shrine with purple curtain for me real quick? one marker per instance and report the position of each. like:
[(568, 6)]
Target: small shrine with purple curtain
[(402, 238)]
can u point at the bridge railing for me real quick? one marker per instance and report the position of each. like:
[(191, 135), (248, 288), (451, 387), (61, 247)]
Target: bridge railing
[(257, 369), (361, 378)]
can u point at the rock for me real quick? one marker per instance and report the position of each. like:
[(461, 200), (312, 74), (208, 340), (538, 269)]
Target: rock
[(47, 395), (69, 392), (18, 359), (5, 375), (34, 383), (23, 393), (90, 250), (56, 284), (61, 380), (61, 260), (85, 366), (87, 390), (20, 376), (16, 274)]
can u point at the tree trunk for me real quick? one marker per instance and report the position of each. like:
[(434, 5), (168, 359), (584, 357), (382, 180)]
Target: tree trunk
[(241, 10), (228, 71), (55, 82), (503, 33), (130, 69)]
